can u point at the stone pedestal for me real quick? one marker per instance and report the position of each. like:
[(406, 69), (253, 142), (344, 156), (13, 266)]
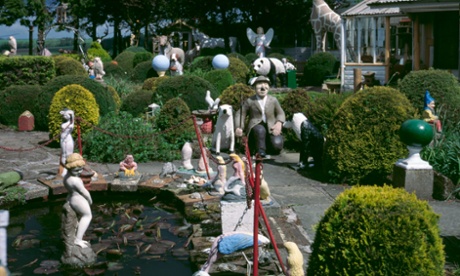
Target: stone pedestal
[(232, 214), (26, 121), (418, 180)]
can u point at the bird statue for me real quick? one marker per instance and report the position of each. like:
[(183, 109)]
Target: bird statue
[(229, 243), (294, 259), (212, 104), (98, 68), (13, 46)]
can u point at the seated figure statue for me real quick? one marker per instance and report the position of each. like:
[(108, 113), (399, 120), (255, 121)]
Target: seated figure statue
[(429, 114), (266, 118), (128, 167)]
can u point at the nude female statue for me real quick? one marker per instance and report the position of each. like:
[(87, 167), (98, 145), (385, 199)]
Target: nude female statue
[(67, 143), (78, 197)]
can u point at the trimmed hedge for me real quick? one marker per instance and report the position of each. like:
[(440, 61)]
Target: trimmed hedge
[(16, 99), (21, 70)]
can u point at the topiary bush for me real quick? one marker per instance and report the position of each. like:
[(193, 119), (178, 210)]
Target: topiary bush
[(137, 102), (68, 66), (175, 123), (143, 71), (126, 135), (322, 109), (240, 57), (152, 83), (377, 231), (236, 94), (238, 69), (316, 68), (16, 99), (362, 143), (191, 89), (112, 69), (126, 61), (221, 79), (141, 57), (251, 57), (115, 96), (443, 87), (103, 96), (135, 49), (203, 63), (296, 100), (78, 99), (96, 50)]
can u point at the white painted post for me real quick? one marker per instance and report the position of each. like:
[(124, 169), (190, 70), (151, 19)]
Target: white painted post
[(4, 220)]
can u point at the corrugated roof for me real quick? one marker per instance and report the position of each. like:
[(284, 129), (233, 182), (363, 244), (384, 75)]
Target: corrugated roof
[(363, 9)]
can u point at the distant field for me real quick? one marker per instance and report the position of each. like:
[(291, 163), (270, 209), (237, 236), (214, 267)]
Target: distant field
[(52, 44)]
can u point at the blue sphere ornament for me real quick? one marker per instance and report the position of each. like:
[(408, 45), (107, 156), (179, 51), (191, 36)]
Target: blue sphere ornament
[(220, 62), (416, 133), (160, 63)]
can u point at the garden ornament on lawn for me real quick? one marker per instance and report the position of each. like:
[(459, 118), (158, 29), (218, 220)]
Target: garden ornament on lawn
[(260, 39), (229, 243), (98, 68), (168, 50), (211, 42), (66, 139), (128, 168), (223, 137), (13, 46), (323, 19), (212, 104), (266, 118), (76, 215), (187, 153)]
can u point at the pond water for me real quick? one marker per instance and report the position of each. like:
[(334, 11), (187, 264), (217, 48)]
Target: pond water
[(130, 236)]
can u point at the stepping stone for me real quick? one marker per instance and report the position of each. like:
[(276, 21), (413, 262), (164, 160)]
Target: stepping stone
[(125, 184)]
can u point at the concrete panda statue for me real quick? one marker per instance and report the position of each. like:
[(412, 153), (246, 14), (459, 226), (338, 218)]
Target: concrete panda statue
[(271, 68)]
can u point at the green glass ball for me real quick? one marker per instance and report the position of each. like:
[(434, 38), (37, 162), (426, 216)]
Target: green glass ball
[(416, 133)]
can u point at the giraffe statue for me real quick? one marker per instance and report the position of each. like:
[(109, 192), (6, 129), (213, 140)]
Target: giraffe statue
[(324, 19)]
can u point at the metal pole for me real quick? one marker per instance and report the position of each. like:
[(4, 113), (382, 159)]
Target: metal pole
[(255, 267), (203, 154)]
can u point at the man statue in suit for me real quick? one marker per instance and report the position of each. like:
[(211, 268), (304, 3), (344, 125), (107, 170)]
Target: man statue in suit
[(265, 122)]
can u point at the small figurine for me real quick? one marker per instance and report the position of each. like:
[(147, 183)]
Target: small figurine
[(260, 40), (13, 46), (212, 104), (266, 118), (128, 167), (98, 68), (91, 70), (294, 259), (66, 139), (223, 137), (429, 114), (187, 153), (218, 182), (78, 197), (288, 65), (237, 181)]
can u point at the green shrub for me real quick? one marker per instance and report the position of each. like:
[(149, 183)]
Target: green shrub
[(143, 71), (377, 231), (443, 87), (126, 61), (362, 143), (212, 51), (240, 57), (137, 102), (296, 100), (152, 83), (175, 123), (96, 50), (221, 79), (122, 86), (444, 155), (203, 62), (68, 66), (238, 69), (191, 89), (127, 135), (116, 97), (21, 70), (251, 57), (323, 108), (112, 69), (236, 94), (135, 49), (141, 57), (102, 95), (318, 67), (16, 99), (78, 99)]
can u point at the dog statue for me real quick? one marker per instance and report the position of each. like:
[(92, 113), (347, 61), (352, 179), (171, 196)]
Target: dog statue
[(312, 140), (223, 137)]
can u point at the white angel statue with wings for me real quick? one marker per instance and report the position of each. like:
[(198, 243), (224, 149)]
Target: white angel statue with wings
[(260, 39)]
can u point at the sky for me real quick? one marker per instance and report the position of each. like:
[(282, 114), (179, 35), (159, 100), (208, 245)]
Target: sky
[(22, 32)]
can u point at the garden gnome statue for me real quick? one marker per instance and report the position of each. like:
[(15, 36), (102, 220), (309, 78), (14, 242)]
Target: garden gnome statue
[(76, 215), (66, 139), (266, 118), (429, 114), (260, 40), (128, 167)]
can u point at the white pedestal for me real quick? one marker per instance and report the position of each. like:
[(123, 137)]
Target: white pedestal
[(232, 214)]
